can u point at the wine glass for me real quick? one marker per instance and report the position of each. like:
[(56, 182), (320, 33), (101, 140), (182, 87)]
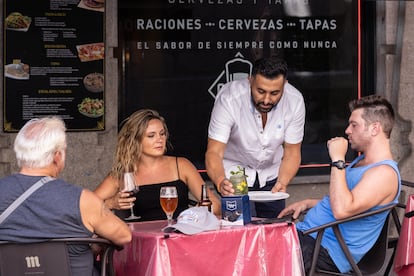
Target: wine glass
[(130, 186), (169, 201)]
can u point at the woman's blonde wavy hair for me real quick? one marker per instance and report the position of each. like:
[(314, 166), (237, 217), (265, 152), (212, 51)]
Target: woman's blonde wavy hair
[(129, 148)]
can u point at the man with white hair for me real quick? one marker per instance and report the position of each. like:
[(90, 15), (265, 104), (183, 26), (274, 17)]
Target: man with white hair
[(56, 209)]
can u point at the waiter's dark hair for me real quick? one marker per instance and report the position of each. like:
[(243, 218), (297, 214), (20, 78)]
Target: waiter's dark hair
[(271, 67)]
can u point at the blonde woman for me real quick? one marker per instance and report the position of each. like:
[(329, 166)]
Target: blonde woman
[(142, 144)]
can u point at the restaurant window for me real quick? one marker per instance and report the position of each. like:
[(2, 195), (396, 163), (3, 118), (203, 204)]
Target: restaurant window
[(176, 54)]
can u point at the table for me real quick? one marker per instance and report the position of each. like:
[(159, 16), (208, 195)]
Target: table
[(267, 249), (404, 257)]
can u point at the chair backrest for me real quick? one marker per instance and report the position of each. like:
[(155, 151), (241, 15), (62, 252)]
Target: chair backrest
[(374, 259), (373, 262), (44, 258), (49, 258)]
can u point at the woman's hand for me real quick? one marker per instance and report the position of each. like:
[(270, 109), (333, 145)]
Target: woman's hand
[(121, 201)]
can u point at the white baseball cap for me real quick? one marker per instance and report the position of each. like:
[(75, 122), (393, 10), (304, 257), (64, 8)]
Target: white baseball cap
[(194, 220)]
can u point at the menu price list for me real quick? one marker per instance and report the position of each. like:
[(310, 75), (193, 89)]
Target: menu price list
[(54, 62)]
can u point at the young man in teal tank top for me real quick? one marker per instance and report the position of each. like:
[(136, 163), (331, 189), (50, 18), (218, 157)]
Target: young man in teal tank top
[(350, 190)]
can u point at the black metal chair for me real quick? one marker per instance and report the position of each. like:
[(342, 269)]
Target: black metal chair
[(376, 261), (50, 257)]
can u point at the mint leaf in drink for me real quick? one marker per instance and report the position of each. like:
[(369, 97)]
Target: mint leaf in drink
[(240, 171)]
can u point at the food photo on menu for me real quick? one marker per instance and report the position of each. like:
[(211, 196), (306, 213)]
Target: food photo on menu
[(93, 108), (17, 70), (94, 82), (97, 5), (90, 52), (16, 21)]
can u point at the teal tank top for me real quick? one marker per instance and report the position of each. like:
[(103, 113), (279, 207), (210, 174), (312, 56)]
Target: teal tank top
[(368, 229)]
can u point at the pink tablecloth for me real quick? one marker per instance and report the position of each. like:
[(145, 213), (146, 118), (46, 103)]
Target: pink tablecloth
[(404, 258), (271, 249)]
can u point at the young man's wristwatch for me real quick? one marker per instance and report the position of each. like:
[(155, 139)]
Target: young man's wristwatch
[(340, 164)]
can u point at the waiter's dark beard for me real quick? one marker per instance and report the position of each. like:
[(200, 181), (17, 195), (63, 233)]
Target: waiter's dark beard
[(263, 110)]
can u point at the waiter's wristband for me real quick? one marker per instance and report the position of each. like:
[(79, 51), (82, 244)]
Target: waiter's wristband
[(220, 180)]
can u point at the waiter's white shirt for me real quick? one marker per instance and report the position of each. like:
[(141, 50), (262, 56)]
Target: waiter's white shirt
[(236, 122)]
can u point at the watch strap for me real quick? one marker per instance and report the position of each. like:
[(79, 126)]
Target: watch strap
[(340, 164)]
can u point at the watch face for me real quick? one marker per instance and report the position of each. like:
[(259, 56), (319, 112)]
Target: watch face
[(340, 164)]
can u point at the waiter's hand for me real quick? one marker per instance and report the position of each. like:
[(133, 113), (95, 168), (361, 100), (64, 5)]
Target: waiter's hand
[(279, 187), (226, 188)]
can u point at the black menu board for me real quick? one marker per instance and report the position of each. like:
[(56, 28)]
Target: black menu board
[(54, 62)]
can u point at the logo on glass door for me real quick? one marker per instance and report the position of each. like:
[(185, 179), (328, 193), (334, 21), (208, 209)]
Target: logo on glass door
[(234, 69)]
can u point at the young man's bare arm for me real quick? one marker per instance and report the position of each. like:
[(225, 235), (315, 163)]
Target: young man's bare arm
[(378, 186), (295, 209)]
